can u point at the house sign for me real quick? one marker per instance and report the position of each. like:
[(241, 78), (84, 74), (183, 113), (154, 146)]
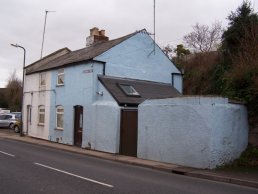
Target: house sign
[(87, 71)]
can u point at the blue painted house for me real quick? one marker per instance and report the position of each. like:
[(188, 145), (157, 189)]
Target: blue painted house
[(89, 97)]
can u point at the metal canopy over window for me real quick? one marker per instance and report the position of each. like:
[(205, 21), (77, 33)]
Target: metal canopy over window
[(129, 90)]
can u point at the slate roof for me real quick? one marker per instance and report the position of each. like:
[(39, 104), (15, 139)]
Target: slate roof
[(146, 89), (81, 55), (37, 64)]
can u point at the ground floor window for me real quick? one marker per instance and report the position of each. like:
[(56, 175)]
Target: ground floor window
[(60, 117)]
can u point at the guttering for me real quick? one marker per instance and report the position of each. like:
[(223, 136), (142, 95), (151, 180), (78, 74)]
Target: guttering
[(39, 91), (69, 64)]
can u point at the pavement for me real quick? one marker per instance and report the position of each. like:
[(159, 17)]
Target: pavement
[(244, 178)]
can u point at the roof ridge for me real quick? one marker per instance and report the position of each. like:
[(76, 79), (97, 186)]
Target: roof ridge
[(49, 55), (125, 37), (83, 54)]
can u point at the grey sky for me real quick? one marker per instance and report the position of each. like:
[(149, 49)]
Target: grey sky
[(22, 22)]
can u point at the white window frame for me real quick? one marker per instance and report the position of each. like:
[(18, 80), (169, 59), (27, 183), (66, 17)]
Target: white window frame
[(60, 73), (42, 80), (41, 111), (59, 112)]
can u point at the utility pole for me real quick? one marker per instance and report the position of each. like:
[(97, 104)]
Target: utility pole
[(44, 32), (154, 25)]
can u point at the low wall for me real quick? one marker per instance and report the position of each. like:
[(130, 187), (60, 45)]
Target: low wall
[(201, 132), (105, 131)]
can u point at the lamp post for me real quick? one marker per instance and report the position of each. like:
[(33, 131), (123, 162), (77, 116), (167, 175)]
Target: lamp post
[(24, 57)]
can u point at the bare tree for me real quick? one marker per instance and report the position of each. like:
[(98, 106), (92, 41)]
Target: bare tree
[(204, 38), (14, 92)]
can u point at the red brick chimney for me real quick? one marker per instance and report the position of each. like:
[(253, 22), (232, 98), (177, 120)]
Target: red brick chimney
[(96, 36)]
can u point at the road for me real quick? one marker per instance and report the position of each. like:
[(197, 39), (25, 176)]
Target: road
[(29, 168)]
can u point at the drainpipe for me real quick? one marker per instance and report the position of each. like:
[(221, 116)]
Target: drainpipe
[(104, 68)]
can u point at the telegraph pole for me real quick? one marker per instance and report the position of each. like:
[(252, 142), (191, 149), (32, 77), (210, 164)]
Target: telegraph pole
[(154, 24)]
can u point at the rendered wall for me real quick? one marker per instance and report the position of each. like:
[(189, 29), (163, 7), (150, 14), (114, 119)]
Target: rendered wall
[(106, 122), (231, 135), (200, 132), (103, 121), (79, 89), (34, 97), (134, 58)]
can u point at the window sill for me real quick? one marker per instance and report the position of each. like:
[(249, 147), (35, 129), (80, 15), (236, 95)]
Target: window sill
[(41, 124), (58, 85), (59, 129)]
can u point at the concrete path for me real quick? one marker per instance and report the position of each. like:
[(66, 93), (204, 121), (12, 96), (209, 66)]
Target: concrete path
[(238, 178)]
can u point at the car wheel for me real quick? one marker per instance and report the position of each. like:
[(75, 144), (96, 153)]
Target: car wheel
[(11, 125), (16, 129)]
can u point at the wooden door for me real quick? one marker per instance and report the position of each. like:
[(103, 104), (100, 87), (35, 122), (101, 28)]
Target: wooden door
[(78, 125), (128, 132)]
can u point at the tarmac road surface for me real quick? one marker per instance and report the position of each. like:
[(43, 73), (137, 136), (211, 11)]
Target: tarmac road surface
[(28, 168)]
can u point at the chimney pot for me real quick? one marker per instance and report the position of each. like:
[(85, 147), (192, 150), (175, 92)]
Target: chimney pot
[(102, 32), (94, 31), (96, 36)]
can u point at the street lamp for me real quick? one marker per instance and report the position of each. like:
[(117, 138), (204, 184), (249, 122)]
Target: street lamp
[(24, 57)]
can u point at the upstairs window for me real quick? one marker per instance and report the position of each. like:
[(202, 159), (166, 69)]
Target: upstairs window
[(129, 90), (41, 115), (60, 77), (42, 80), (60, 117)]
